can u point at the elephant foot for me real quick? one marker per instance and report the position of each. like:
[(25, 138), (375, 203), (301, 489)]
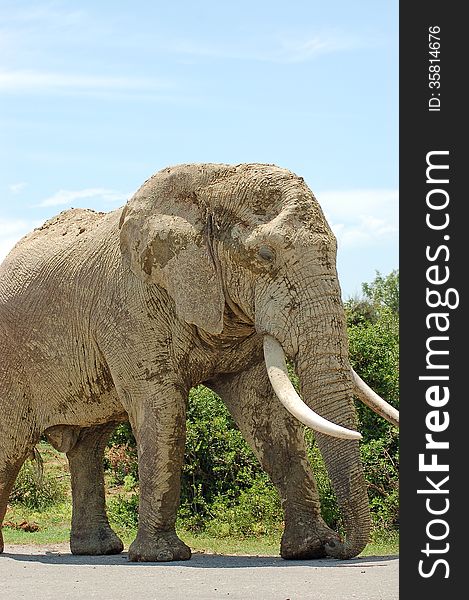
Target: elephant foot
[(96, 542), (306, 538), (164, 546)]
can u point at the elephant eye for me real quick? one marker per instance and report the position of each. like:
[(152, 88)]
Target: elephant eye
[(267, 253)]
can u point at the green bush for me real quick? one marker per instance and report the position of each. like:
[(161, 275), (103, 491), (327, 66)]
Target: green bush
[(384, 291), (381, 465), (122, 435), (256, 511), (123, 510), (218, 462), (374, 354), (37, 490), (120, 461)]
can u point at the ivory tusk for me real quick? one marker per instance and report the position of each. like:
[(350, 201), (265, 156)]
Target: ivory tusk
[(286, 393), (375, 402)]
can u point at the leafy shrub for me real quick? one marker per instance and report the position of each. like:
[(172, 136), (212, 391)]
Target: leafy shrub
[(130, 483), (384, 291), (120, 460), (37, 491), (122, 435), (381, 465), (374, 354), (218, 462), (123, 510), (257, 511), (373, 330)]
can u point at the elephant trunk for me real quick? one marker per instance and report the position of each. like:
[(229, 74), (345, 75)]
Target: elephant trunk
[(326, 383), (343, 464)]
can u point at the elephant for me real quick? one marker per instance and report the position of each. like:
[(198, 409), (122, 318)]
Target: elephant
[(211, 274)]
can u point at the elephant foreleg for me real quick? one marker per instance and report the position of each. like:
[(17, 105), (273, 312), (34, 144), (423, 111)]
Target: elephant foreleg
[(277, 440), (159, 425), (91, 533)]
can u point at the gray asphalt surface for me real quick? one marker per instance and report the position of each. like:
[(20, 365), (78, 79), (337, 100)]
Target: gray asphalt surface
[(52, 573)]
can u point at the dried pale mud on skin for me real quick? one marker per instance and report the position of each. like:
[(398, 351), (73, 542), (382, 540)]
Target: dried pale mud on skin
[(210, 274)]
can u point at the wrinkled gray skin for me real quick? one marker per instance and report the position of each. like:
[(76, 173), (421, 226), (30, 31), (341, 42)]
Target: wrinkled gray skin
[(105, 317)]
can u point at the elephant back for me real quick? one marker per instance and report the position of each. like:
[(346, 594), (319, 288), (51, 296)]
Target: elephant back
[(46, 248)]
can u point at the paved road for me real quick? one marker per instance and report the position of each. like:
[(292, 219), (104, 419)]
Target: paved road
[(52, 573)]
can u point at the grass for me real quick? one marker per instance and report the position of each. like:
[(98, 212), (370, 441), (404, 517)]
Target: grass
[(383, 543), (54, 528), (269, 545), (53, 524)]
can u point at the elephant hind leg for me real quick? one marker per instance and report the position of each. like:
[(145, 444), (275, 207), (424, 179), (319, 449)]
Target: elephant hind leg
[(13, 453), (91, 533)]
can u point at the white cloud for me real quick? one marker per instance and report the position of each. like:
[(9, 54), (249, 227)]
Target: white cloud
[(30, 80), (16, 188), (68, 197), (42, 14), (277, 48), (360, 217), (294, 50)]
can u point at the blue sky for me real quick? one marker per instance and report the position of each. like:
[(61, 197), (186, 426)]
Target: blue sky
[(97, 96)]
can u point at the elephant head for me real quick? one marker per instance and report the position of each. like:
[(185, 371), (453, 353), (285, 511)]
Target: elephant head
[(253, 240)]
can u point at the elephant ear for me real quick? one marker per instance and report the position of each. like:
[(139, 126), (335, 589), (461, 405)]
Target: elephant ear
[(174, 252)]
